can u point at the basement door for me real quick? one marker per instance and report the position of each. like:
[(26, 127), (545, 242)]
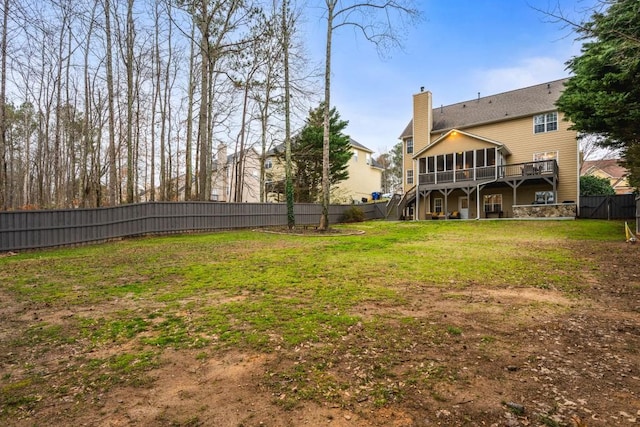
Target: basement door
[(463, 207)]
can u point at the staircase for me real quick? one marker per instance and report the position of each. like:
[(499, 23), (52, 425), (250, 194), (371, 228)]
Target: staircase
[(397, 203)]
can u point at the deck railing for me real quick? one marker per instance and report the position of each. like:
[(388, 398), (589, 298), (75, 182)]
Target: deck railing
[(517, 170)]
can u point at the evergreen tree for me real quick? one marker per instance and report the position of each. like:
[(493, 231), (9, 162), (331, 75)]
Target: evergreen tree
[(603, 96), (306, 155)]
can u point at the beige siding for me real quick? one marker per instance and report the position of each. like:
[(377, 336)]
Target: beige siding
[(422, 110), (363, 180), (517, 135), (455, 144)]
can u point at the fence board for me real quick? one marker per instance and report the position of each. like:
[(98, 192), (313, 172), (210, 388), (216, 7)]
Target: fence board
[(608, 207), (21, 230)]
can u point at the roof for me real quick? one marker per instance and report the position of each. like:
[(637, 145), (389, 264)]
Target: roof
[(356, 144), (280, 147), (611, 167), (493, 108)]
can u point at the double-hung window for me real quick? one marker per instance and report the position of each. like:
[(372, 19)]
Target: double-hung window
[(545, 122), (437, 205), (493, 203), (410, 176), (409, 145)]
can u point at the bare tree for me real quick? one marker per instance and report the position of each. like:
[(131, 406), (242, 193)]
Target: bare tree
[(113, 173), (383, 32), (3, 97)]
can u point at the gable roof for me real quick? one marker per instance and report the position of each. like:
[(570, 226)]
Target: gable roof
[(470, 135), (611, 167), (493, 108), (280, 147)]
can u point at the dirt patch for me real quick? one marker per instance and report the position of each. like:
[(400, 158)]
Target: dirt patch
[(448, 357)]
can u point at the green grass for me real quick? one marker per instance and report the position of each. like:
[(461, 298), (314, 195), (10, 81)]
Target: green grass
[(262, 292)]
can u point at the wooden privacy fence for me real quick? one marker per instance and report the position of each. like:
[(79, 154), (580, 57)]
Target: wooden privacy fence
[(20, 230), (621, 206)]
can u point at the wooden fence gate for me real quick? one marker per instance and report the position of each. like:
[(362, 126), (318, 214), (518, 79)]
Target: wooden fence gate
[(621, 206)]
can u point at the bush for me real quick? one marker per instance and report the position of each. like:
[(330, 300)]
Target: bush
[(353, 214)]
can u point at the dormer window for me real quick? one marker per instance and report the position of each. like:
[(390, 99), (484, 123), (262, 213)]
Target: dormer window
[(545, 122)]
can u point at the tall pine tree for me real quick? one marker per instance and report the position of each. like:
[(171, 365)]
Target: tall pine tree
[(306, 155)]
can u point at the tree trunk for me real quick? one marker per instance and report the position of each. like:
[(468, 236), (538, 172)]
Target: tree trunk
[(129, 66), (286, 37), (113, 173), (3, 119), (189, 139), (324, 218), (203, 115)]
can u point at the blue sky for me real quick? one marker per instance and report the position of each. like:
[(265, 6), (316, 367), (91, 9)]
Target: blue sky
[(461, 47)]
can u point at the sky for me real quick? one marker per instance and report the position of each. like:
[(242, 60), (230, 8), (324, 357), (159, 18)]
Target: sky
[(460, 48)]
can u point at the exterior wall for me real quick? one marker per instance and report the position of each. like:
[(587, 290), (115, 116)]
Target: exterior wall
[(566, 210), (456, 143), (224, 181), (422, 120), (363, 179), (518, 137)]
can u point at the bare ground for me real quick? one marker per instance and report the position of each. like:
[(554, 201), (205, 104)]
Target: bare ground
[(507, 357)]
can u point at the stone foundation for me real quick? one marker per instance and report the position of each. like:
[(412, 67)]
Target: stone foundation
[(564, 210)]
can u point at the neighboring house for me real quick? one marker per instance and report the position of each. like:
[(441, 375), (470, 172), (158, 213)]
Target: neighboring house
[(224, 181), (610, 169), (502, 155), (365, 176)]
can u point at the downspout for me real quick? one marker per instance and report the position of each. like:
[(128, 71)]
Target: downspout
[(416, 180), (478, 193)]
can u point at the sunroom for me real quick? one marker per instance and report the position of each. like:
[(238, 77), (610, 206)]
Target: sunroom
[(461, 175)]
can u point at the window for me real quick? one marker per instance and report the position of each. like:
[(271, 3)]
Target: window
[(368, 158), (410, 176), (491, 156), (459, 161), (409, 145), (544, 198), (431, 164), (355, 156), (468, 160), (448, 162), (422, 165), (268, 164), (437, 205), (547, 166), (493, 203), (480, 158), (545, 122)]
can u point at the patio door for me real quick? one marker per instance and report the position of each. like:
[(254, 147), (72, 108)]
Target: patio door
[(463, 207)]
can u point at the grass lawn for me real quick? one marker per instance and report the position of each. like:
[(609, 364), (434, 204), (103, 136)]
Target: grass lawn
[(410, 317)]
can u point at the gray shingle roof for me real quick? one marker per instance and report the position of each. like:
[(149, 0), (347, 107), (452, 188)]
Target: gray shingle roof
[(508, 105)]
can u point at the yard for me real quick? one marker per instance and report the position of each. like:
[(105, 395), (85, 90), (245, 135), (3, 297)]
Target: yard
[(452, 323)]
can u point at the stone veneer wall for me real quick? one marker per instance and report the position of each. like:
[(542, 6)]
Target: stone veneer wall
[(565, 210)]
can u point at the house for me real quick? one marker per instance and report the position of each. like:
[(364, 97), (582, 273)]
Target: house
[(365, 176), (244, 168), (610, 169), (509, 155)]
